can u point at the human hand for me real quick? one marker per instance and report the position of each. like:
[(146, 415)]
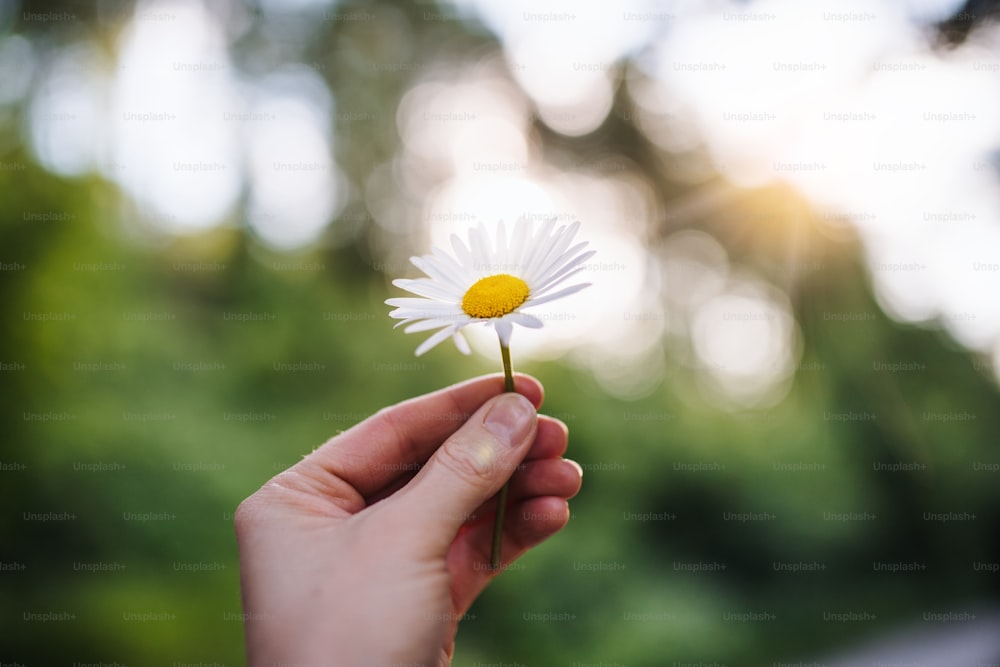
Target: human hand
[(372, 548)]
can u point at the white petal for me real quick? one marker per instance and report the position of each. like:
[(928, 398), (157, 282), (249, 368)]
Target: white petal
[(557, 295), (539, 245), (463, 254), (482, 257), (429, 288), (461, 343), (570, 269), (451, 315), (437, 271), (545, 232), (423, 312), (554, 248), (500, 251), (525, 320), (573, 229), (427, 325), (435, 339), (420, 303), (518, 242), (555, 264), (549, 286), (460, 275), (504, 328)]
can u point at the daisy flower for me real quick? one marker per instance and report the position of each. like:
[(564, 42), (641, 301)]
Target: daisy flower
[(490, 281)]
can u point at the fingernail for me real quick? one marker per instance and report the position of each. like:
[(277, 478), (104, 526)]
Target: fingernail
[(510, 418), (576, 465)]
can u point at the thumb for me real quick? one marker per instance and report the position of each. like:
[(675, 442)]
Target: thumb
[(468, 469)]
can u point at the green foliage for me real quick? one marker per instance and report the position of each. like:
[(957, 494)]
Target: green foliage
[(163, 410), (150, 386)]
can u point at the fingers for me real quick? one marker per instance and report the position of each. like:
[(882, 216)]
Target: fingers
[(547, 477), (397, 440), (542, 477), (534, 520), (469, 468), (529, 522), (537, 509), (550, 442), (551, 438)]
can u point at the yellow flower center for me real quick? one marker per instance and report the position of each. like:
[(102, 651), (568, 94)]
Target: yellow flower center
[(495, 296)]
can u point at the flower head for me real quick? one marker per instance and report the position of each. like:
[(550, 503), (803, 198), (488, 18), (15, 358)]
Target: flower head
[(489, 280)]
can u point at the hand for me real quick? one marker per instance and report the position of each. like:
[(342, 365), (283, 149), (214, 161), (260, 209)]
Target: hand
[(369, 550)]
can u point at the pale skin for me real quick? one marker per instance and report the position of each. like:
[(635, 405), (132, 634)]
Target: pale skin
[(369, 551)]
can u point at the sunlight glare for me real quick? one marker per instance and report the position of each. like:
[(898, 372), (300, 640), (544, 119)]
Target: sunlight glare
[(295, 183), (66, 112), (172, 148)]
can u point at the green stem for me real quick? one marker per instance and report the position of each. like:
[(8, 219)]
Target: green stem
[(508, 380), (508, 374)]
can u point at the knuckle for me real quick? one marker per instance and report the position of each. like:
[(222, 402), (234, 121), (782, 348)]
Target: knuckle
[(473, 461)]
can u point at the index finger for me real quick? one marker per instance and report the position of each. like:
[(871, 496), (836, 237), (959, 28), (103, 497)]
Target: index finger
[(397, 440)]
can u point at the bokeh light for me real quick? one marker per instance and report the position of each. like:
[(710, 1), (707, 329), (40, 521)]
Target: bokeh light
[(781, 383)]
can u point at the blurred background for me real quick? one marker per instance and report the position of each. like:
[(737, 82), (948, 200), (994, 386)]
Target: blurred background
[(782, 384)]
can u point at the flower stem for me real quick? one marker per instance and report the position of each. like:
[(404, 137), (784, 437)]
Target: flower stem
[(508, 380), (508, 374)]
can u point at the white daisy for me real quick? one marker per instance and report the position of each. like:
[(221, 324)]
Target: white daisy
[(489, 282)]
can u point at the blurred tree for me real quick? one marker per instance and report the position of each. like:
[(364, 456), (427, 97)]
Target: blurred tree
[(153, 380)]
